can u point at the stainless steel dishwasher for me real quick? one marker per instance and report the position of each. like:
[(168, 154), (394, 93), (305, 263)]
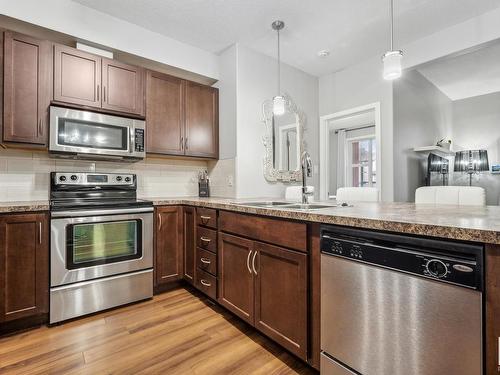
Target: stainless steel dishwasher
[(399, 305)]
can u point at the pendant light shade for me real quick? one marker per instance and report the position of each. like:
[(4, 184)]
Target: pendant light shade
[(392, 59), (278, 105), (392, 64)]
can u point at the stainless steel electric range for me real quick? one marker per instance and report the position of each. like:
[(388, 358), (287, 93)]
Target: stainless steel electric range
[(101, 251)]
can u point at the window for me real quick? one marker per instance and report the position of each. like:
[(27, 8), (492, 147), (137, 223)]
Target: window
[(361, 162)]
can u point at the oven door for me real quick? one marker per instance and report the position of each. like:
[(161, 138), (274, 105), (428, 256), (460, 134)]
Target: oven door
[(107, 242), (82, 132)]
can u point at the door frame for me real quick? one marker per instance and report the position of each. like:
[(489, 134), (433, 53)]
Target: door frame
[(324, 147)]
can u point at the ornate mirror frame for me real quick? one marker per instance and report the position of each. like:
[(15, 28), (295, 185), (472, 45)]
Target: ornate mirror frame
[(270, 173)]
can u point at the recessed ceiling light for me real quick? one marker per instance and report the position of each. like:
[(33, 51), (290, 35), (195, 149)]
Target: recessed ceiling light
[(324, 53)]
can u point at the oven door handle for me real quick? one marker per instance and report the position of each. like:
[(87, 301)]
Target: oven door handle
[(80, 213)]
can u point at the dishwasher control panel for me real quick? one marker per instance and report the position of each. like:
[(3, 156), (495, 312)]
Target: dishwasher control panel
[(463, 268)]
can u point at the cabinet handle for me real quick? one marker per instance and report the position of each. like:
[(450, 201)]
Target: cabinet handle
[(98, 92), (253, 263), (203, 282), (205, 261), (205, 219), (182, 143), (40, 127), (186, 143), (206, 240), (40, 232), (248, 261), (159, 218), (104, 94)]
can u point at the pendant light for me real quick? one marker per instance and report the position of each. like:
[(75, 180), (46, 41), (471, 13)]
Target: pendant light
[(392, 59), (278, 100)]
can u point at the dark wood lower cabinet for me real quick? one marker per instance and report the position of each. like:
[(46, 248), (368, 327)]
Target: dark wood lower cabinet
[(168, 244), (236, 290), (281, 296), (266, 286), (189, 218), (24, 266)]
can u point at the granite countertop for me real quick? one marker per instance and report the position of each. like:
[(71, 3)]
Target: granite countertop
[(24, 206), (467, 223)]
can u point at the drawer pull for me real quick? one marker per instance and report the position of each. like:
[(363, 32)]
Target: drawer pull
[(205, 239), (205, 219), (203, 282), (205, 261)]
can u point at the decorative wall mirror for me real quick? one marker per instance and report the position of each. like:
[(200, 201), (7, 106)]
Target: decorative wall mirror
[(283, 141)]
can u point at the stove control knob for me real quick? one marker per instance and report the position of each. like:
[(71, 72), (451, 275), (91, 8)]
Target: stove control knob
[(74, 177), (436, 268), (62, 178), (127, 179), (118, 178)]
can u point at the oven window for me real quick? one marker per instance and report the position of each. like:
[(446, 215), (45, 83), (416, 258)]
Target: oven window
[(92, 244), (92, 135)]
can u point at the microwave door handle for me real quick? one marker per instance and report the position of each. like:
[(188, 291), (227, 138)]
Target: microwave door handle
[(132, 140)]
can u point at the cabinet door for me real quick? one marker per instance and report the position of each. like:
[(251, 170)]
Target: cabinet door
[(281, 296), (168, 247), (27, 89), (202, 121), (164, 114), (189, 243), (236, 281), (77, 77), (122, 87), (24, 266)]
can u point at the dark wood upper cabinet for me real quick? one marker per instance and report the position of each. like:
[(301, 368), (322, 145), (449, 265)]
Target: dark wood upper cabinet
[(202, 121), (122, 87), (27, 89), (236, 281), (77, 77), (189, 243), (281, 296), (168, 244), (24, 266), (164, 114)]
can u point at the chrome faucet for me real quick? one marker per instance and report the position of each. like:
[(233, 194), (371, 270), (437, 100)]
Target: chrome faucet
[(306, 164)]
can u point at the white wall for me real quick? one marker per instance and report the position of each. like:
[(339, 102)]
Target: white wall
[(422, 116), (356, 86), (362, 83), (476, 126), (87, 24), (257, 82)]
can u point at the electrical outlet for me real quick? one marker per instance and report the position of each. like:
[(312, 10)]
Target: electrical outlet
[(230, 179)]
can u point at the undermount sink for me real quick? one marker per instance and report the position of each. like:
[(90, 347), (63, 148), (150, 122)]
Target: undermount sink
[(264, 204), (310, 206), (288, 205)]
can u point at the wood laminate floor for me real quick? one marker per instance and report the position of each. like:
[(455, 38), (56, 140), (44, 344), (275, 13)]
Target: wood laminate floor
[(174, 333)]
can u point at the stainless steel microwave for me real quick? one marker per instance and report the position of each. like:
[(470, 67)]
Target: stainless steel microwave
[(89, 135)]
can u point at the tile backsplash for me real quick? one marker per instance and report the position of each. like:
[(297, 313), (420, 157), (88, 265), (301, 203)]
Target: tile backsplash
[(24, 175)]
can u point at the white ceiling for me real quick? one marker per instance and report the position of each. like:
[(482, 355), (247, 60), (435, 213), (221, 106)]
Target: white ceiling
[(351, 29), (467, 75)]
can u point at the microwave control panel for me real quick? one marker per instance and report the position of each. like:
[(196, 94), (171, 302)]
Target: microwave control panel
[(139, 140)]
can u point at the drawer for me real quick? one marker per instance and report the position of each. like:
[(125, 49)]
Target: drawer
[(206, 283), (206, 217), (206, 261), (286, 233), (206, 239)]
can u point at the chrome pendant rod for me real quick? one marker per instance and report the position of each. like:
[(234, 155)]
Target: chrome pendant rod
[(392, 25), (278, 25)]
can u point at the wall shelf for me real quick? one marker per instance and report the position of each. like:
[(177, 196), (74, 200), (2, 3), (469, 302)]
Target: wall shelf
[(441, 151)]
